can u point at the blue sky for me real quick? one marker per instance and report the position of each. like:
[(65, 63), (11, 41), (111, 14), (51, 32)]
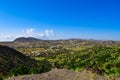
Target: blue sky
[(60, 19)]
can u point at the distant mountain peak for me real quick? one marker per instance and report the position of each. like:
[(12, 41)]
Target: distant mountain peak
[(26, 39)]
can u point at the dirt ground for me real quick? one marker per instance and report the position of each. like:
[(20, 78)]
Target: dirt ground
[(61, 74)]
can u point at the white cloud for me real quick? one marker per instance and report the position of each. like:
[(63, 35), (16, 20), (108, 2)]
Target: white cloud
[(49, 33), (41, 34), (30, 32), (7, 37)]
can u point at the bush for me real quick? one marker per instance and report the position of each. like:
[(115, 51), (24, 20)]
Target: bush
[(39, 67)]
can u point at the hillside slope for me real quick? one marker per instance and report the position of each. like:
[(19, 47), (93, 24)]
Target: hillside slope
[(9, 58), (15, 63), (61, 74), (25, 39)]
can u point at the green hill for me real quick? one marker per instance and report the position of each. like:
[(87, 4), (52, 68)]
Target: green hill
[(9, 58), (15, 63)]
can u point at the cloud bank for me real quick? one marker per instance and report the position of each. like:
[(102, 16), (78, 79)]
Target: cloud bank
[(30, 32)]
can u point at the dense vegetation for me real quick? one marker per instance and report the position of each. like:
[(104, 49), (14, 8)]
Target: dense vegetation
[(99, 59), (13, 63), (103, 60)]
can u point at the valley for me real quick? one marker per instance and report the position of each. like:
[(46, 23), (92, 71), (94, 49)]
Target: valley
[(101, 58)]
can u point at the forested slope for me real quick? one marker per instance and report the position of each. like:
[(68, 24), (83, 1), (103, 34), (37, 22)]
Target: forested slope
[(15, 63)]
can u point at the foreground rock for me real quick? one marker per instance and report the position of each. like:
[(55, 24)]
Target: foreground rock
[(61, 74)]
